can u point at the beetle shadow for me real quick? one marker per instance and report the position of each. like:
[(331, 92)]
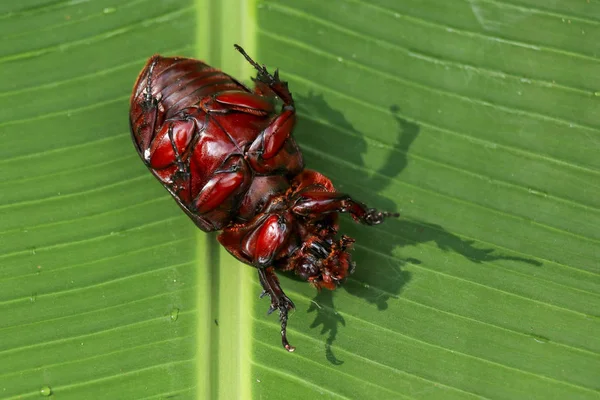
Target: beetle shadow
[(375, 282), (320, 123)]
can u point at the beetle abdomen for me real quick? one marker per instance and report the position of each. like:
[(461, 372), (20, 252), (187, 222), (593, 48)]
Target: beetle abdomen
[(182, 82)]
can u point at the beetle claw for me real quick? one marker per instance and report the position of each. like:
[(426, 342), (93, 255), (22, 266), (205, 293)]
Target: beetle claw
[(375, 217), (284, 305)]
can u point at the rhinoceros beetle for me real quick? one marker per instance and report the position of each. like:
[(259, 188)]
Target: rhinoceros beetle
[(227, 156)]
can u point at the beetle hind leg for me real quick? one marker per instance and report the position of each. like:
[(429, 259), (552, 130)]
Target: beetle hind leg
[(149, 100), (279, 301), (266, 82)]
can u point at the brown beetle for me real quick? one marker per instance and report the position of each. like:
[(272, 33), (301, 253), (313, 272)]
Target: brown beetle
[(227, 156)]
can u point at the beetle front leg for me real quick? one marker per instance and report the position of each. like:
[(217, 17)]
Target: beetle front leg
[(265, 243), (312, 204), (279, 301)]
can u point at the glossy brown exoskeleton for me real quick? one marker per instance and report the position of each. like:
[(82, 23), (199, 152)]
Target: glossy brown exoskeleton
[(227, 155)]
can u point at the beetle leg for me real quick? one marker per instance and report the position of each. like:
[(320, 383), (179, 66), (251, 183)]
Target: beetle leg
[(149, 106), (279, 301), (170, 143), (144, 131), (266, 82), (262, 245), (250, 103), (225, 181), (149, 100), (268, 239), (272, 139), (312, 204), (181, 177)]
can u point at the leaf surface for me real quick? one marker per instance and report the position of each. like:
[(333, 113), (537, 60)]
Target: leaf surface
[(477, 120)]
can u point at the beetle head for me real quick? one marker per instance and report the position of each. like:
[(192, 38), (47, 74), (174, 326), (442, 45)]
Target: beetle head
[(324, 263)]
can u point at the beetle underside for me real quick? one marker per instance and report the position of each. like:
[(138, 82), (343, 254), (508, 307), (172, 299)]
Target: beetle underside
[(228, 158)]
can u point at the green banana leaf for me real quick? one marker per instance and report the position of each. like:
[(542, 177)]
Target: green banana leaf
[(477, 120)]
